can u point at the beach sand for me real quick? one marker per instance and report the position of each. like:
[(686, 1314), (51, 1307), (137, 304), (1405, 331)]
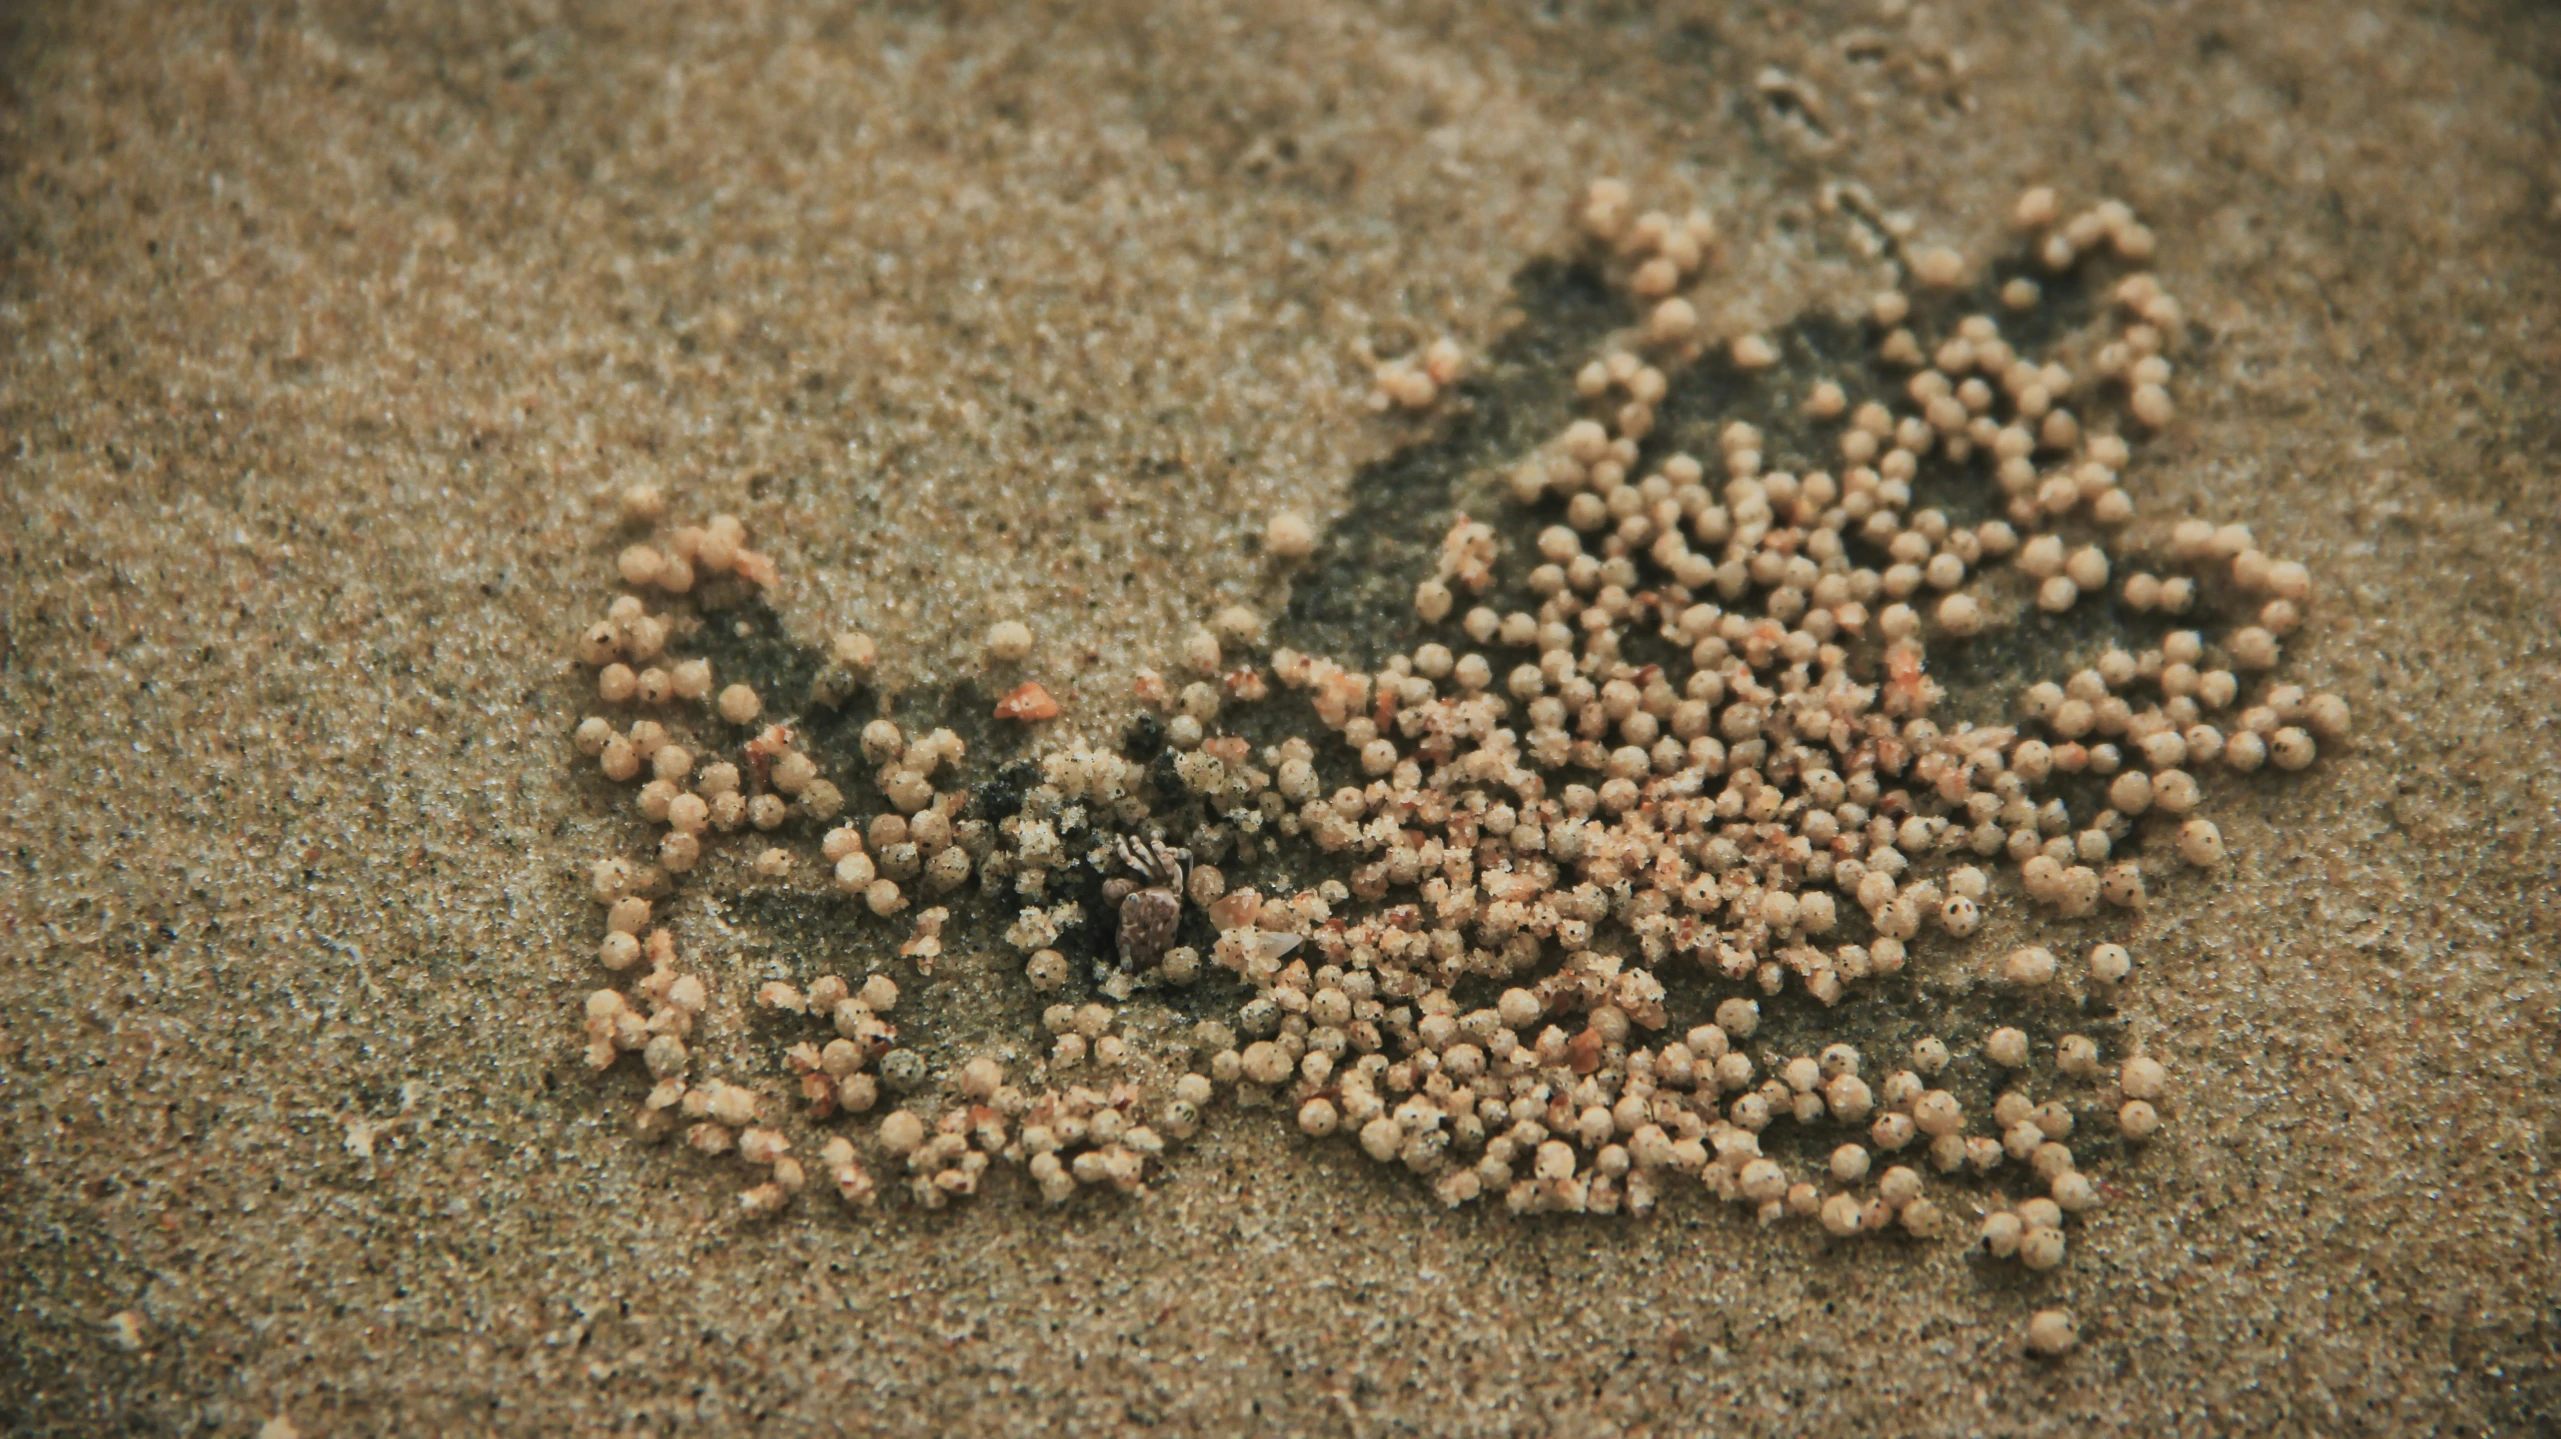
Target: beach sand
[(328, 335)]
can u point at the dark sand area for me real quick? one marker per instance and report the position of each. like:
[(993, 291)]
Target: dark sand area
[(329, 332)]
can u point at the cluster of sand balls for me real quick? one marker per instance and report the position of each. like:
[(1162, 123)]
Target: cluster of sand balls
[(1520, 810), (1415, 382)]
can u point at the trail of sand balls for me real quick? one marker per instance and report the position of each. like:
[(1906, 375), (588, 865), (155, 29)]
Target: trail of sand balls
[(1563, 827)]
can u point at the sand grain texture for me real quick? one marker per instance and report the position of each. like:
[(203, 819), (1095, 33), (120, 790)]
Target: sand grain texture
[(326, 334)]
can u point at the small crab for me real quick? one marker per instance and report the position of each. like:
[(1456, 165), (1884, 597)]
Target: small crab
[(1152, 907), (764, 749)]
